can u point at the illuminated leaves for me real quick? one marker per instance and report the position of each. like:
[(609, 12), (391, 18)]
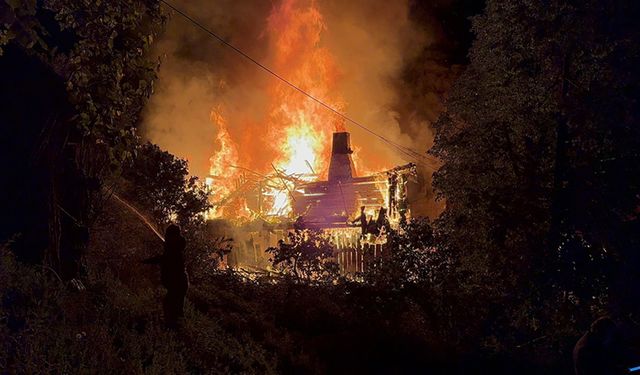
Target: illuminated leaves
[(307, 254), (161, 183), (99, 49)]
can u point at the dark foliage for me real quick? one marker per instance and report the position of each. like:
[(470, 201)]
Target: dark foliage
[(109, 327), (541, 165), (307, 254), (160, 184), (83, 79), (413, 258)]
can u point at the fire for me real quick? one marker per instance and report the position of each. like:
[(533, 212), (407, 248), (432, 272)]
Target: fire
[(220, 182), (363, 168), (299, 127), (301, 150), (281, 205), (298, 131), (300, 158)]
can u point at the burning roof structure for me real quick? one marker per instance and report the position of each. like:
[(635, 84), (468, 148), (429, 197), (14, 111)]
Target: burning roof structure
[(332, 203), (350, 209), (322, 204)]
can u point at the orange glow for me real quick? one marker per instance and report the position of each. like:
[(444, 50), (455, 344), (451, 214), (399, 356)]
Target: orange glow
[(298, 127), (295, 138), (301, 150), (220, 183), (364, 168)]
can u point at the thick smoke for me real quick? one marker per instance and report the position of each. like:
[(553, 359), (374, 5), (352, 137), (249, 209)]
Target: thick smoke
[(393, 73), (199, 73)]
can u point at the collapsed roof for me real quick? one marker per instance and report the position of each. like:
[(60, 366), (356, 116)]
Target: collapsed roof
[(330, 204)]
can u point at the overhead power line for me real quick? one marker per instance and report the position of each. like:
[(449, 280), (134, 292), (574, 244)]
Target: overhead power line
[(412, 154)]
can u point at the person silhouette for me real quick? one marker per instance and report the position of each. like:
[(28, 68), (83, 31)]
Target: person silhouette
[(383, 220), (597, 350), (173, 275), (362, 219)]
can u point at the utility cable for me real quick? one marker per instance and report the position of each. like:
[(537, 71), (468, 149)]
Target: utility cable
[(405, 150)]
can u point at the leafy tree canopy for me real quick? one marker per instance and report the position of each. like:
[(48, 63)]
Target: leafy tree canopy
[(99, 49), (161, 184), (539, 143)]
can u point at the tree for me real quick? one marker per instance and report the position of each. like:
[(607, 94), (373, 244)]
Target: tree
[(307, 254), (495, 140), (539, 144), (413, 258), (97, 52), (100, 51), (160, 183)]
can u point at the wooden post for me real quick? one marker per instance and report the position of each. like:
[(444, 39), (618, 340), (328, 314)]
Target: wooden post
[(260, 198), (351, 260), (345, 255)]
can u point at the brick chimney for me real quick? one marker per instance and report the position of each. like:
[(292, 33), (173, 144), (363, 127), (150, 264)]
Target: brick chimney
[(341, 167)]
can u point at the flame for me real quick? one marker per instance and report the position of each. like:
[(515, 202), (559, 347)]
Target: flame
[(296, 142), (299, 127), (363, 168), (281, 204), (301, 150), (220, 182)]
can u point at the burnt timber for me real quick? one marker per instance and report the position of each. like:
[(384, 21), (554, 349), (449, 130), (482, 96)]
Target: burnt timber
[(330, 204)]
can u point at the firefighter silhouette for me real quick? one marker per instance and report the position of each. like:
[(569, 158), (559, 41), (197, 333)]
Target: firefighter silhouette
[(173, 275)]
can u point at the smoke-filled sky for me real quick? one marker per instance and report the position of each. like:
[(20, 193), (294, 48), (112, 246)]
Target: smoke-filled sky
[(391, 64)]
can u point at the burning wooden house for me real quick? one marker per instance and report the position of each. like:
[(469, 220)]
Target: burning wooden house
[(334, 203), (354, 211)]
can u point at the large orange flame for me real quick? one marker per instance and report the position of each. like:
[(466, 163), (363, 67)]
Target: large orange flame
[(299, 127), (298, 130)]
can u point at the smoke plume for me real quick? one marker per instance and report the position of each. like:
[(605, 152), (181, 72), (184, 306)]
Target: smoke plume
[(389, 71)]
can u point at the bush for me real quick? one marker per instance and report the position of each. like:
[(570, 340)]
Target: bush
[(307, 255), (49, 327)]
